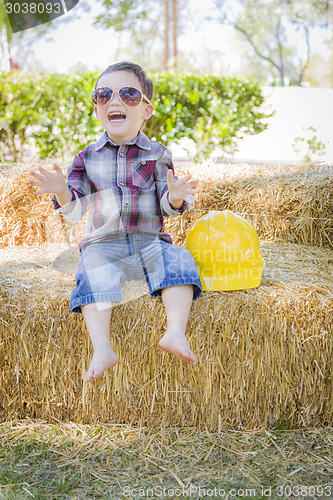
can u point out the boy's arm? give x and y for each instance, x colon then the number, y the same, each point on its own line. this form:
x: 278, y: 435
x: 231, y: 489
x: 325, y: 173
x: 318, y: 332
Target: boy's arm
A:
x: 69, y: 198
x: 175, y: 195
x: 80, y: 191
x: 181, y: 190
x: 52, y: 182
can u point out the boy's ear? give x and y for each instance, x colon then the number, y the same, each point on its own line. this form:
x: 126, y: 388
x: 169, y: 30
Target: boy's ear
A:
x: 96, y: 114
x: 148, y: 111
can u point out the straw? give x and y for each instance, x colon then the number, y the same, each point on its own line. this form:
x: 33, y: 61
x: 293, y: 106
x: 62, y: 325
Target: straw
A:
x: 292, y: 203
x: 264, y: 355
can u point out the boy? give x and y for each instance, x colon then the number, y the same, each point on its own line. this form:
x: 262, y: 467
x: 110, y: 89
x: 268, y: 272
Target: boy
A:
x: 128, y: 181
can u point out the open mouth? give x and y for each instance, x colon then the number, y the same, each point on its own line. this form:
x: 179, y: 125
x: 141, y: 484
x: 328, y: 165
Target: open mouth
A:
x: 116, y: 117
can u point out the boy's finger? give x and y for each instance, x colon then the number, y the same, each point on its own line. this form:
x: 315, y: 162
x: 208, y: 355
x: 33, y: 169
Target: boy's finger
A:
x: 56, y: 167
x: 185, y: 178
x: 37, y: 176
x: 45, y: 172
x: 192, y: 183
x: 170, y: 175
x: 34, y: 183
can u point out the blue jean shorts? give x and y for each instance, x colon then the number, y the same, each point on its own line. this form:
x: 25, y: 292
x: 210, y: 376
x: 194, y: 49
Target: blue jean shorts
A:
x: 105, y: 265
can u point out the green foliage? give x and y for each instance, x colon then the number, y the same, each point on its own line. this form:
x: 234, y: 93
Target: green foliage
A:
x: 120, y: 14
x: 54, y: 114
x: 50, y: 113
x: 4, y: 23
x: 310, y: 146
x: 212, y: 111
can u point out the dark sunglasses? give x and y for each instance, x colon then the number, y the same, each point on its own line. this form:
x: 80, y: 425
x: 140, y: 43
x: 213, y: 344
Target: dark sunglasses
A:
x: 128, y: 95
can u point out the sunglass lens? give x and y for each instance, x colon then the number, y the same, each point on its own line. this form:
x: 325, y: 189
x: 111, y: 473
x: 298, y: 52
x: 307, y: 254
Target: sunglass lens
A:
x: 130, y: 96
x: 102, y: 96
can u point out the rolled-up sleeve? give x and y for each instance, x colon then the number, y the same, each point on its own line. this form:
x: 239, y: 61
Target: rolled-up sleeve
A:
x: 79, y: 185
x: 162, y: 166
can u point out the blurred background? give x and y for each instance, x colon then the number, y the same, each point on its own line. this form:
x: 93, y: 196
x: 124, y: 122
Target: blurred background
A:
x: 286, y: 45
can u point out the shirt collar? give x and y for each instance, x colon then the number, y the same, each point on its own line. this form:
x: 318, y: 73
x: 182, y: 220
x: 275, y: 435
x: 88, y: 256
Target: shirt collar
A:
x: 140, y: 140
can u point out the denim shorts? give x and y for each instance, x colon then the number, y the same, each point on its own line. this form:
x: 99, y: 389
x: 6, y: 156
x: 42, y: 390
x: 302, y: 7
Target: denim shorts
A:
x: 105, y: 265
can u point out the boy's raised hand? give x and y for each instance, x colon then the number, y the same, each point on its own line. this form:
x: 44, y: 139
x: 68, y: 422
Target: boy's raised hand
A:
x: 179, y: 189
x: 50, y: 182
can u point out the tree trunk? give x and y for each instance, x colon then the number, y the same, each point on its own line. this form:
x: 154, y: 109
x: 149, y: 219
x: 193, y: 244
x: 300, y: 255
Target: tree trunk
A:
x: 308, y: 55
x: 280, y: 49
x: 175, y: 34
x: 166, y: 35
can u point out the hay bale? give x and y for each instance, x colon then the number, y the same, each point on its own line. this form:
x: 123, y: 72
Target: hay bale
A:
x: 264, y: 355
x: 290, y: 203
x: 22, y: 214
x: 27, y: 219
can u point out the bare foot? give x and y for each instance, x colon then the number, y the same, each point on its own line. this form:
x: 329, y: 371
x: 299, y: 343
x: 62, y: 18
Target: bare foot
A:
x: 103, y: 358
x: 176, y: 343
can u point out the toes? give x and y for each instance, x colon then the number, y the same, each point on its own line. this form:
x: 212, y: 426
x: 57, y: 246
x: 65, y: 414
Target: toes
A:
x: 189, y: 357
x: 91, y: 375
x: 179, y: 349
x: 99, y: 366
x: 193, y: 361
x: 87, y: 377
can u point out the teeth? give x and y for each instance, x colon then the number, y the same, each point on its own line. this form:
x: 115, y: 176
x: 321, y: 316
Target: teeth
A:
x: 116, y: 116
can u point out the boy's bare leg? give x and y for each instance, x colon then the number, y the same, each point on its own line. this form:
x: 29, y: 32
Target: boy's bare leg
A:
x: 177, y: 301
x: 97, y: 318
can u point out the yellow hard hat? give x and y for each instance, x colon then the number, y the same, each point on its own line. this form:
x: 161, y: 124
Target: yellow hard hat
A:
x: 226, y: 250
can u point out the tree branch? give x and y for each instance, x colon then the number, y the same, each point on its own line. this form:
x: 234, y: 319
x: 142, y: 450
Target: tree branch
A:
x: 257, y: 51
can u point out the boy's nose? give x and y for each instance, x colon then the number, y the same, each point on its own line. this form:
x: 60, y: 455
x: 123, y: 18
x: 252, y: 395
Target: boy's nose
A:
x: 115, y: 97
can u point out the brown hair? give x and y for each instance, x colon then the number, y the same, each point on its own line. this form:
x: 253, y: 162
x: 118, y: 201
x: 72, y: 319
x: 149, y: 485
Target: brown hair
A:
x: 147, y: 84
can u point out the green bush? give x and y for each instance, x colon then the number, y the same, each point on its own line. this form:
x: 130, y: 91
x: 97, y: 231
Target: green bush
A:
x: 54, y: 114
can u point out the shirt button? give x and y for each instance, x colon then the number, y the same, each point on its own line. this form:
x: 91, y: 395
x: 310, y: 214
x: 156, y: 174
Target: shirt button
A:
x: 126, y: 206
x: 122, y: 184
x: 121, y: 154
x: 144, y: 163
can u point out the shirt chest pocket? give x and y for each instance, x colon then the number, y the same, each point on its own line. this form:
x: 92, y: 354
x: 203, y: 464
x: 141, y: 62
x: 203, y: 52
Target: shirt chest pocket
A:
x: 143, y: 174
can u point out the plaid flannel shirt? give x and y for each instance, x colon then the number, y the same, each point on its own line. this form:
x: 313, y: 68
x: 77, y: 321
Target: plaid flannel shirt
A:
x: 126, y: 187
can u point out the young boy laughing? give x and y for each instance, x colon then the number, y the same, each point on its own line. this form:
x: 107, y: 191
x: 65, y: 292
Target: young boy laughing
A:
x: 129, y: 183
